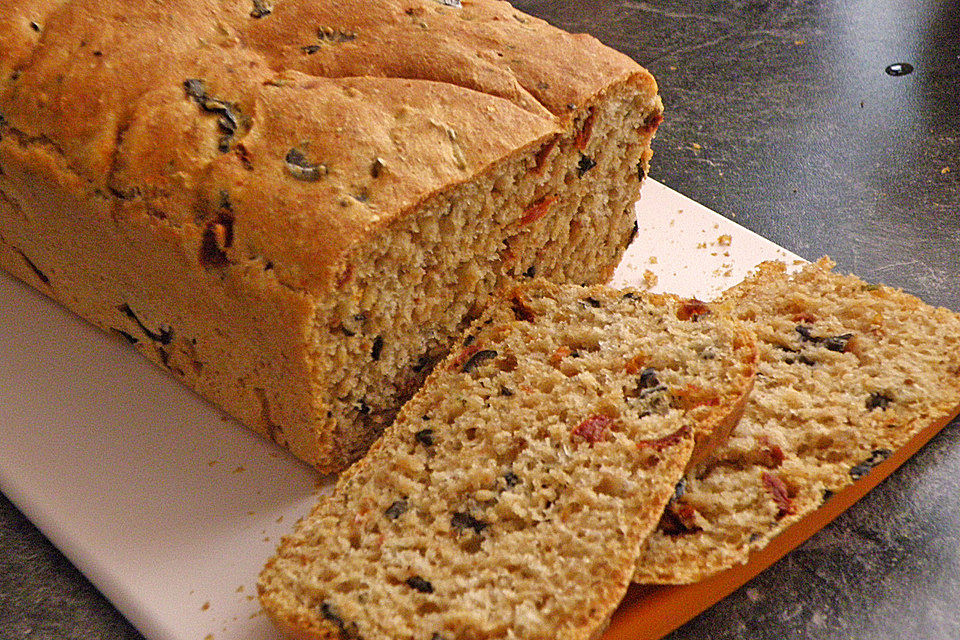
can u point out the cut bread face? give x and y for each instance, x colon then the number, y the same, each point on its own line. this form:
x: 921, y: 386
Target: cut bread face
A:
x: 849, y: 372
x: 511, y: 495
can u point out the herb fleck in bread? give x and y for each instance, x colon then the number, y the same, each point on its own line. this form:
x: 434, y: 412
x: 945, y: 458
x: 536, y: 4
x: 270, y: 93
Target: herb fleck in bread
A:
x: 293, y: 209
x: 848, y: 373
x: 510, y: 496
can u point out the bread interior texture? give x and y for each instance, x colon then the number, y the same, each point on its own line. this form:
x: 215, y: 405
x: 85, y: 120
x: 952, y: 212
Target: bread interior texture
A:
x: 562, y: 209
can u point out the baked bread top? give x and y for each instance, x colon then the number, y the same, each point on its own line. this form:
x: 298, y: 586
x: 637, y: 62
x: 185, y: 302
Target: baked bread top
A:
x: 254, y: 127
x: 848, y: 373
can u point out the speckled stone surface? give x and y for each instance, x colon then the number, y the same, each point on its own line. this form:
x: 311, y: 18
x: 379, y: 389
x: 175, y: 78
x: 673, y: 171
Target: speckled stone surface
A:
x: 780, y: 117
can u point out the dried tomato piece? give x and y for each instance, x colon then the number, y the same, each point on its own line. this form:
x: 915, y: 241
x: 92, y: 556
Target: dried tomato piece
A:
x: 778, y: 491
x: 652, y: 123
x: 692, y: 309
x: 583, y: 136
x: 537, y: 210
x: 678, y: 520
x: 543, y: 154
x: 658, y: 444
x: 593, y: 429
x: 521, y: 311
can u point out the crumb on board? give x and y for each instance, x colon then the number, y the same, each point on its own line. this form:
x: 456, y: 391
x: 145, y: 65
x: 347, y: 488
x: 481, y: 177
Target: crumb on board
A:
x: 653, y: 259
x: 701, y: 245
x: 205, y: 606
x: 650, y: 279
x: 945, y: 170
x: 239, y: 469
x: 209, y: 636
x: 240, y: 589
x: 724, y: 240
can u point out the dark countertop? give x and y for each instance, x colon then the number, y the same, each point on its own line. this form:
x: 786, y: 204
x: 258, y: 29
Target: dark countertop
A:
x: 779, y: 116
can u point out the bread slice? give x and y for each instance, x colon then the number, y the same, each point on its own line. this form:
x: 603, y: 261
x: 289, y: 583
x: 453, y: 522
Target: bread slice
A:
x: 289, y: 206
x: 510, y: 496
x: 849, y: 372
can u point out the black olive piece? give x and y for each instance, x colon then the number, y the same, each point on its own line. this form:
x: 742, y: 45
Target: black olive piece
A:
x: 261, y: 8
x: 469, y: 340
x: 33, y: 267
x: 195, y: 89
x: 334, y: 36
x: 35, y: 26
x: 632, y: 237
x: 586, y: 163
x: 422, y: 362
x: 300, y: 168
x: 310, y: 49
x: 347, y: 632
x: 129, y: 338
x: 424, y: 437
x: 878, y: 401
x: 511, y: 479
x: 648, y: 378
x: 593, y: 302
x: 376, y: 168
x: 641, y: 172
x: 679, y: 489
x: 837, y: 343
x: 630, y: 295
x: 462, y: 520
x: 377, y: 348
x: 477, y: 359
x: 805, y: 334
x: 504, y: 391
x: 164, y: 336
x: 876, y: 457
x: 827, y: 494
x: 347, y: 332
x: 395, y: 510
x: 754, y: 537
x: 437, y: 636
x: 421, y: 585
x: 531, y: 272
x: 364, y: 408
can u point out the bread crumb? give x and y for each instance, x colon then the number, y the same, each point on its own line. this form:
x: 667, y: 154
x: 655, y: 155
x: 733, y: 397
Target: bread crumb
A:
x: 945, y: 170
x: 240, y: 589
x: 650, y: 279
x: 280, y: 519
x: 724, y: 240
x: 209, y: 636
x: 653, y: 259
x: 701, y: 245
x: 697, y: 146
x: 205, y: 606
x: 799, y: 42
x: 239, y: 469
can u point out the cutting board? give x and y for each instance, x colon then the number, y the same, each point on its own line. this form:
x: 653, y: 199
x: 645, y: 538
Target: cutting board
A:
x: 170, y: 507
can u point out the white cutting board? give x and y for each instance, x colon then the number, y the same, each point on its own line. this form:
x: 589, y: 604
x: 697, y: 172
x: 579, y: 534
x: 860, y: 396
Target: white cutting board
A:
x: 168, y: 506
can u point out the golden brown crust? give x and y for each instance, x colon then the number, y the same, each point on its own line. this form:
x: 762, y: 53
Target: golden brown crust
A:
x: 436, y: 80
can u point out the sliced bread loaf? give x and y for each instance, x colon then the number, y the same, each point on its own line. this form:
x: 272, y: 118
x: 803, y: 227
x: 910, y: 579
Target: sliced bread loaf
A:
x: 292, y: 208
x: 848, y: 373
x: 511, y: 495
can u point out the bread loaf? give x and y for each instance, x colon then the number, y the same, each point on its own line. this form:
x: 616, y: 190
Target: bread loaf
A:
x: 293, y: 206
x: 510, y: 496
x: 849, y: 372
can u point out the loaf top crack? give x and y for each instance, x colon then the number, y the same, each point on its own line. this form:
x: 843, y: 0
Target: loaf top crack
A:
x: 290, y: 116
x: 510, y: 496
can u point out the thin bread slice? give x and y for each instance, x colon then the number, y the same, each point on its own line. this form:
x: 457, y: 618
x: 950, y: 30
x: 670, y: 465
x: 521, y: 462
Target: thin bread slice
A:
x: 849, y: 372
x: 511, y: 495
